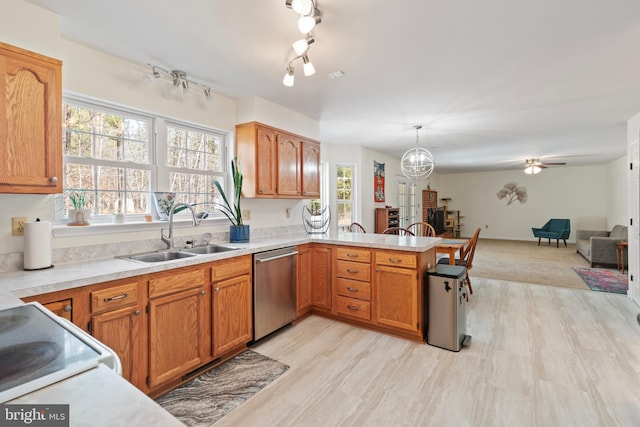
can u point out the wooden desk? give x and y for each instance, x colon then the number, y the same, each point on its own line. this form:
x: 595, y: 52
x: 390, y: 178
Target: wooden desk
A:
x: 620, y: 247
x: 451, y: 246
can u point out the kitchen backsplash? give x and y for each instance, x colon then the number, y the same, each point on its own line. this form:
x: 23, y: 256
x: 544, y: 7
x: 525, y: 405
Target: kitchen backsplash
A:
x: 15, y: 261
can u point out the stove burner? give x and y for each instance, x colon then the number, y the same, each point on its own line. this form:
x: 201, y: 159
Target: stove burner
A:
x: 30, y: 359
x: 9, y: 322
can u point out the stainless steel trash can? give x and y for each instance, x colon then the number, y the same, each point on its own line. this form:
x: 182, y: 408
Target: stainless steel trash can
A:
x: 446, y: 307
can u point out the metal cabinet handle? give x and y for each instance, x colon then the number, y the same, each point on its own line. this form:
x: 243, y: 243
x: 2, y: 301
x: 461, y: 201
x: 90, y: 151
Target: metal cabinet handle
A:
x: 123, y: 296
x: 217, y: 289
x: 395, y: 260
x: 203, y: 292
x: 353, y: 255
x: 352, y: 307
x: 137, y: 312
x: 67, y: 308
x: 352, y: 289
x: 53, y: 179
x: 350, y: 270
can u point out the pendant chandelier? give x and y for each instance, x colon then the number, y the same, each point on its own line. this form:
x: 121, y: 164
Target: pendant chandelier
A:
x: 417, y: 163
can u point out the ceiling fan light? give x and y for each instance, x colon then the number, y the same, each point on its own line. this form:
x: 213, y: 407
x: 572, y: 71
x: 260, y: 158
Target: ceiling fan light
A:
x: 302, y: 7
x: 532, y: 169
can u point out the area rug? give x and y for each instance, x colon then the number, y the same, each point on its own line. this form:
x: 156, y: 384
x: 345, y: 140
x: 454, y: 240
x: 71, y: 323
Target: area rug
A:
x: 604, y: 280
x: 207, y: 398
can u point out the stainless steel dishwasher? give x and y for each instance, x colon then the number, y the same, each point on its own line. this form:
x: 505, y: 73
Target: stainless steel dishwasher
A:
x: 274, y: 290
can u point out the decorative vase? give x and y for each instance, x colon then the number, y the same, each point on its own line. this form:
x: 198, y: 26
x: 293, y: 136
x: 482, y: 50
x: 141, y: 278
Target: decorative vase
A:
x: 238, y: 233
x: 79, y: 217
x: 164, y: 203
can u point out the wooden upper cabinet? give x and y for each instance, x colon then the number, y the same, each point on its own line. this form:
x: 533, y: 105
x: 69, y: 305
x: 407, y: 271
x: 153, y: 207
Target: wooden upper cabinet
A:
x: 30, y: 122
x: 310, y: 169
x: 276, y: 163
x: 289, y: 165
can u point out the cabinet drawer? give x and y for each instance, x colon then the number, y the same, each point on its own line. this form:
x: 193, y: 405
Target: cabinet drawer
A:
x: 398, y: 259
x: 353, y: 307
x: 354, y: 270
x: 174, y: 282
x: 117, y: 296
x: 354, y: 289
x: 353, y: 254
x: 232, y: 267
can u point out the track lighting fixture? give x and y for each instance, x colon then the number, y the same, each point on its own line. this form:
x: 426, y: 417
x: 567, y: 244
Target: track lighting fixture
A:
x: 288, y: 77
x: 181, y: 82
x: 309, y: 18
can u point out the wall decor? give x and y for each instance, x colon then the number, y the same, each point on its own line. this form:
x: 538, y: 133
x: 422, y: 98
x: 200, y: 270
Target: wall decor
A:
x: 378, y: 181
x: 512, y: 192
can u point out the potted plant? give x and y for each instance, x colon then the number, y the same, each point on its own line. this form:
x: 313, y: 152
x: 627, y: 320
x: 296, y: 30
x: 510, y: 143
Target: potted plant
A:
x: 79, y: 215
x: 238, y: 231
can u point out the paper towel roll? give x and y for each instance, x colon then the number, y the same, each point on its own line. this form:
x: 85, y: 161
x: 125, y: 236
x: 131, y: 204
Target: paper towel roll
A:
x: 37, y: 245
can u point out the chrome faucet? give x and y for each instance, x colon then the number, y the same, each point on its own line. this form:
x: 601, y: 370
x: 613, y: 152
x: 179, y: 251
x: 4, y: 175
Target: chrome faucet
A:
x: 169, y: 239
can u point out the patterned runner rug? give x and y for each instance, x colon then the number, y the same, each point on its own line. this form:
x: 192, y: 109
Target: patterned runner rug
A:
x: 207, y: 398
x: 604, y: 280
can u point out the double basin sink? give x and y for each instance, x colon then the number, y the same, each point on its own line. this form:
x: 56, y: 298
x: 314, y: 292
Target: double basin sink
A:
x: 173, y: 254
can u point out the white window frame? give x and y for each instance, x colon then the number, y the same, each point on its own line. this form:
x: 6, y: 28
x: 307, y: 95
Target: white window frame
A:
x: 353, y: 199
x: 157, y: 162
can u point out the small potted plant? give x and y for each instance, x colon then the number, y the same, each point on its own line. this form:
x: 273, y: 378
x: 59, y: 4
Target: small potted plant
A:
x: 79, y: 215
x: 238, y: 231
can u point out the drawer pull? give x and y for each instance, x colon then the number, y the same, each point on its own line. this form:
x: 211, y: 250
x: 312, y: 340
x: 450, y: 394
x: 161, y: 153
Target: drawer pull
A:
x: 395, y: 260
x: 123, y: 296
x: 353, y: 307
x: 67, y: 308
x: 137, y: 312
x: 353, y: 255
x: 350, y: 270
x: 350, y: 289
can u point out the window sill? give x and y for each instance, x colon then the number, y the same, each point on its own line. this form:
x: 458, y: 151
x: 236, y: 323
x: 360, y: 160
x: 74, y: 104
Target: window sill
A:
x: 64, y: 230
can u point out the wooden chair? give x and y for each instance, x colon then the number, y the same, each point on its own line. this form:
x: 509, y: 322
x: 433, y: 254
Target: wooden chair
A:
x: 423, y: 229
x: 467, y: 257
x: 398, y: 231
x: 356, y: 228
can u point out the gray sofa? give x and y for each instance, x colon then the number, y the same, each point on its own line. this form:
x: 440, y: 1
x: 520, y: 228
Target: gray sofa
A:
x: 599, y: 246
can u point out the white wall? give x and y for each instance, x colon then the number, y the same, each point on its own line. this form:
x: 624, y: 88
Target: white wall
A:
x: 617, y: 194
x: 580, y: 193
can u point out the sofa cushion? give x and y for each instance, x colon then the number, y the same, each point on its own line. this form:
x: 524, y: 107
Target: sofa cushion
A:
x: 619, y: 232
x: 584, y: 247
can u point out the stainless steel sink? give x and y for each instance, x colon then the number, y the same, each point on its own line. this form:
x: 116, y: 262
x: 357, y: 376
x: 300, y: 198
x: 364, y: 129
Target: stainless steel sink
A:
x: 209, y: 249
x: 158, y: 256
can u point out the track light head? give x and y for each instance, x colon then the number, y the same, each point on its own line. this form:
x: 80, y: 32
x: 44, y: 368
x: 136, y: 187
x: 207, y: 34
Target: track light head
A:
x: 288, y: 77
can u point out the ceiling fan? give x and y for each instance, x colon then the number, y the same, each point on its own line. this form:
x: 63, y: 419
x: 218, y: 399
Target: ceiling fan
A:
x: 533, y: 166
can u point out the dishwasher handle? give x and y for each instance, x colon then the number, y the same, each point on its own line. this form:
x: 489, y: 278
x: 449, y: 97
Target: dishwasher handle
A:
x: 277, y: 257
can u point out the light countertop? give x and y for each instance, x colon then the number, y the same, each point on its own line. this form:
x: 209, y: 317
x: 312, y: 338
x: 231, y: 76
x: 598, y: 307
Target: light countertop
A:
x: 71, y: 275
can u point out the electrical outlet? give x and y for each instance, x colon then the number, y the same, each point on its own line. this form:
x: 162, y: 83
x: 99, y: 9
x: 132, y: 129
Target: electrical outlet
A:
x: 17, y: 225
x: 287, y: 213
x: 246, y: 214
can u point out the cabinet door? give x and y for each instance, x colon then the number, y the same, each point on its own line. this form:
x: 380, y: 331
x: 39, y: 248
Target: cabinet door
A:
x: 266, y: 164
x: 61, y: 308
x: 289, y: 157
x: 176, y: 335
x: 310, y: 169
x: 232, y: 313
x: 397, y: 297
x: 121, y: 331
x: 321, y: 278
x: 303, y: 291
x: 30, y: 122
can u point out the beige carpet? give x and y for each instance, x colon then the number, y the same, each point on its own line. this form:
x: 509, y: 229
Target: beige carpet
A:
x: 525, y: 261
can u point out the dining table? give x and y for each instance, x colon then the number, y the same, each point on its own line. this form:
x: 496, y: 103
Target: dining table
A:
x: 450, y: 247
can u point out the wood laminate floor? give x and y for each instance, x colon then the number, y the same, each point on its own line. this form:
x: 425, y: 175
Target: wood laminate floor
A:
x: 540, y: 356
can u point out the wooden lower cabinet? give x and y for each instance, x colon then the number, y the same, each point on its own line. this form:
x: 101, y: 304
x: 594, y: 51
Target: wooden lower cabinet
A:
x: 397, y: 297
x: 320, y: 277
x: 179, y: 335
x: 303, y: 285
x: 61, y: 308
x: 232, y: 304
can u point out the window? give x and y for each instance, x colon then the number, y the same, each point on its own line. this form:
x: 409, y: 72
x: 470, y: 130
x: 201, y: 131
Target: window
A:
x: 345, y: 196
x: 114, y: 157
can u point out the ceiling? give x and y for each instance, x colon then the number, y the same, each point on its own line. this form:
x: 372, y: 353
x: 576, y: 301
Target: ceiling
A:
x: 492, y: 82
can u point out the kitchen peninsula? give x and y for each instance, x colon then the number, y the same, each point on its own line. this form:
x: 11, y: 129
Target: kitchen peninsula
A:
x: 370, y: 280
